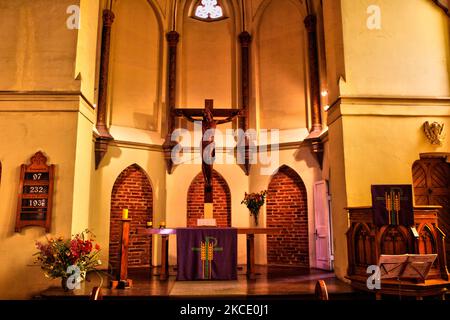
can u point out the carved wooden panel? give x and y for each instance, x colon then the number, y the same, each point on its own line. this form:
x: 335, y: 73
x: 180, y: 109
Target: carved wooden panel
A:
x: 394, y: 241
x: 363, y: 246
x: 431, y: 180
x: 427, y: 242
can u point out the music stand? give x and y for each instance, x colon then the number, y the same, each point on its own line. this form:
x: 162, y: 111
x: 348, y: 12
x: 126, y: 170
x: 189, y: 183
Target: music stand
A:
x: 418, y: 266
x: 414, y: 267
x: 391, y: 266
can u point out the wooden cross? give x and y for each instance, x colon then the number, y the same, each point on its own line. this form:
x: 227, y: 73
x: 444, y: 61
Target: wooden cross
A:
x: 208, y: 117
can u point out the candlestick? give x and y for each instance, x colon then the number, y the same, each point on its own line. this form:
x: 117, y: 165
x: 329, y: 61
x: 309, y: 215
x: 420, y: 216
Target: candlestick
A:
x: 125, y: 214
x: 149, y: 224
x: 162, y: 224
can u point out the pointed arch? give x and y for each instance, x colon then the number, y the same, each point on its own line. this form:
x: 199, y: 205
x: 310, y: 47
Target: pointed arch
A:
x: 287, y: 208
x: 136, y: 65
x: 265, y: 3
x: 427, y: 240
x: 282, y: 65
x: 221, y: 200
x: 363, y: 241
x: 208, y: 61
x: 132, y: 190
x: 156, y: 6
x: 394, y: 240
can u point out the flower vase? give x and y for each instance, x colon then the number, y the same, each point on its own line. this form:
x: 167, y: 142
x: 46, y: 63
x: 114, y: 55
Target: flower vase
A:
x: 255, y: 214
x: 64, y: 284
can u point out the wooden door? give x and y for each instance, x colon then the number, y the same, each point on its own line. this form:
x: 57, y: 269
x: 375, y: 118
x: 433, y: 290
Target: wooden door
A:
x: 431, y: 180
x: 322, y: 224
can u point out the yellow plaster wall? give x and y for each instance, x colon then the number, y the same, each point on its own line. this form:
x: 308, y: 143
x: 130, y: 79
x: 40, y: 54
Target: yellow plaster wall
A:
x: 37, y: 50
x: 88, y: 47
x: 334, y: 47
x: 207, y: 60
x: 135, y: 72
x: 395, y: 140
x: 281, y: 43
x: 408, y: 56
x: 23, y: 134
x: 83, y: 169
x: 338, y: 192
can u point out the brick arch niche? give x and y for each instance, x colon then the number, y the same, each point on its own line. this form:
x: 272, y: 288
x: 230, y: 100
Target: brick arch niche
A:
x: 221, y: 200
x: 131, y: 190
x: 287, y: 209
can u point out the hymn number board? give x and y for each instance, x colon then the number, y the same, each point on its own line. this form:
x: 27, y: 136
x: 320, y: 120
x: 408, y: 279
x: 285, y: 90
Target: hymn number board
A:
x: 35, y: 194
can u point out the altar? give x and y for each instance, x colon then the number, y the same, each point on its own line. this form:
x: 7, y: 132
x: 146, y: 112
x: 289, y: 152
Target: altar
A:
x: 165, y: 234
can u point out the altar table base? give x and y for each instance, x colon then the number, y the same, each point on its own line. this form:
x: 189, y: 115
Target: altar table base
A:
x: 249, y: 232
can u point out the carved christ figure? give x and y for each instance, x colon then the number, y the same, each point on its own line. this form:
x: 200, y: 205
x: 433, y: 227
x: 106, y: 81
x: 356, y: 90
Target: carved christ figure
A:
x: 208, y: 151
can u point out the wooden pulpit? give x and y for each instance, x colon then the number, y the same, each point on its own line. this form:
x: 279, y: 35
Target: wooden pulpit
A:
x: 367, y: 242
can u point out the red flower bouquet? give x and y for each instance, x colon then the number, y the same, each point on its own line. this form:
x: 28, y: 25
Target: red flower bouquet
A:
x: 67, y: 257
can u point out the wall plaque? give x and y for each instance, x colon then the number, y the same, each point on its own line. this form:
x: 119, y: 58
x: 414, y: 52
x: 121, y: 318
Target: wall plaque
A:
x: 34, y: 207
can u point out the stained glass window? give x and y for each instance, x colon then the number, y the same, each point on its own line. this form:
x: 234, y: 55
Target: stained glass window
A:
x: 209, y: 10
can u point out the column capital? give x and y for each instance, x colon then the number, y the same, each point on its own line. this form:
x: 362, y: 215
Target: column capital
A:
x: 108, y: 18
x: 310, y: 23
x: 172, y: 38
x: 245, y: 39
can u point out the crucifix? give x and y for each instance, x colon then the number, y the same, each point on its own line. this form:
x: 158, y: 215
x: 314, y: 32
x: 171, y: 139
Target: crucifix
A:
x: 208, y: 117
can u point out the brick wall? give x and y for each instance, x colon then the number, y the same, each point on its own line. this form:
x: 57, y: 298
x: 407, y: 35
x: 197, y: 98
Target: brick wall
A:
x: 131, y: 190
x: 287, y: 209
x: 221, y: 200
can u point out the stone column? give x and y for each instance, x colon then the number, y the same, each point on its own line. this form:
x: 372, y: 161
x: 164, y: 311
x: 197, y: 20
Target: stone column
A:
x: 103, y: 138
x: 245, y: 40
x: 314, y: 76
x: 172, y: 39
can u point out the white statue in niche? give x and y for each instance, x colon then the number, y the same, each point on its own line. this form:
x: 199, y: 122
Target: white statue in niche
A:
x: 209, y: 9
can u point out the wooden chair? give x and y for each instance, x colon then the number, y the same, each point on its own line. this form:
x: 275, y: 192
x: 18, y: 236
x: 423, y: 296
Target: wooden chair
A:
x: 321, y: 290
x: 96, y: 294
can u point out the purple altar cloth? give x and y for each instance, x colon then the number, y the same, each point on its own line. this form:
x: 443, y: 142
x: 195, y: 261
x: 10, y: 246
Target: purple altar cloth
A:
x: 207, y: 254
